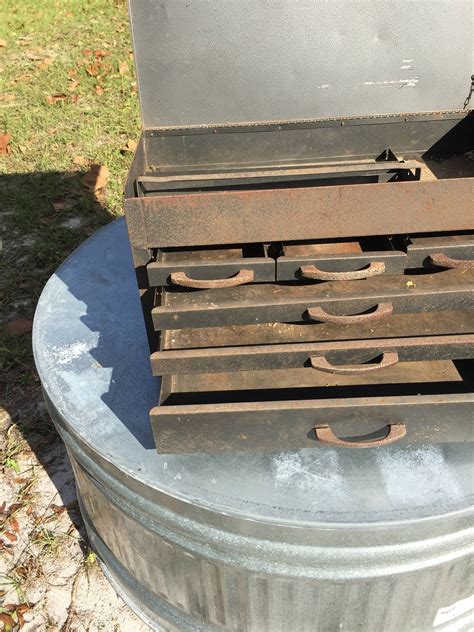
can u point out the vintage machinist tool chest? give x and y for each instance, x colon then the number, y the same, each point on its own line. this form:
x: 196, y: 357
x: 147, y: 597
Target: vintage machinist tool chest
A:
x: 300, y: 210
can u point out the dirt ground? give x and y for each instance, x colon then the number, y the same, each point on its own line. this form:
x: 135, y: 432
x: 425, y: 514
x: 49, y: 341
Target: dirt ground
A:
x: 69, y: 119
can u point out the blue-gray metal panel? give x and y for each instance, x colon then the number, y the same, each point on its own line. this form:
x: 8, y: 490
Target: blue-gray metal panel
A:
x: 293, y: 541
x: 210, y: 62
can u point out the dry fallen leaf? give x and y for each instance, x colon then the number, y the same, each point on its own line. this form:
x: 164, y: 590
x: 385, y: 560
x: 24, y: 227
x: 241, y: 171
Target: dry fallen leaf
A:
x: 96, y: 178
x: 19, y: 326
x: 7, y: 97
x: 45, y: 62
x: 14, y: 526
x: 4, y: 144
x: 33, y: 56
x: 11, y: 536
x: 101, y: 53
x: 62, y: 205
x: 87, y: 51
x: 92, y: 70
x: 80, y: 161
x: 99, y: 90
x: 123, y: 68
x: 73, y: 85
x: 56, y: 98
x: 131, y: 145
x: 7, y: 620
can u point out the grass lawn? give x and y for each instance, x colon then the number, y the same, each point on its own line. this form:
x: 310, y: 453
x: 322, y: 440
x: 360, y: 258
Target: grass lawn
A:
x: 68, y: 106
x: 67, y: 100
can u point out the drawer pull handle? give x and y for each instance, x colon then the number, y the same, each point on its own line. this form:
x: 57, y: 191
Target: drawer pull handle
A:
x: 319, y: 313
x: 320, y: 363
x: 181, y: 278
x: 312, y: 272
x: 395, y: 433
x: 442, y: 260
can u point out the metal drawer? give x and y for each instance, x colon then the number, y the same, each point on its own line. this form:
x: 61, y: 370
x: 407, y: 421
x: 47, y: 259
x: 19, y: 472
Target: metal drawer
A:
x: 348, y: 302
x: 211, y: 268
x: 418, y: 402
x: 445, y: 251
x: 431, y: 336
x: 313, y: 261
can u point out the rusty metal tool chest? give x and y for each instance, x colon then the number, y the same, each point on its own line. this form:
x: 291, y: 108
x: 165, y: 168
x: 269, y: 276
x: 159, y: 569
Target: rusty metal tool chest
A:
x: 300, y: 210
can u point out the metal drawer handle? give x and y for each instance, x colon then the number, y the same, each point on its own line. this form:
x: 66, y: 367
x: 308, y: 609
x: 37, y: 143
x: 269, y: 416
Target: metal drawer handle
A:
x: 395, y: 433
x: 312, y: 272
x: 389, y: 358
x: 181, y: 278
x: 319, y: 313
x: 442, y: 260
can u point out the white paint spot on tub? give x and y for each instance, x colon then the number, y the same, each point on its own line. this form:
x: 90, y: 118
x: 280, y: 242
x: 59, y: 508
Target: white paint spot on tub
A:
x: 67, y: 353
x: 394, y: 83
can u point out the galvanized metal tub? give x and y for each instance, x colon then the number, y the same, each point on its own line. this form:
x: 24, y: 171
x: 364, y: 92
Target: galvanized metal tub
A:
x: 320, y: 539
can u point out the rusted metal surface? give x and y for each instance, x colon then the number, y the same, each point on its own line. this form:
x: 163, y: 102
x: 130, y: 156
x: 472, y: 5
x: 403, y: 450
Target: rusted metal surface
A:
x: 375, y: 268
x: 395, y: 432
x: 242, y: 277
x: 318, y: 355
x: 421, y: 249
x: 268, y: 303
x: 394, y: 326
x: 155, y: 183
x: 272, y: 425
x: 264, y: 215
x: 387, y: 360
x: 381, y: 311
x: 444, y: 261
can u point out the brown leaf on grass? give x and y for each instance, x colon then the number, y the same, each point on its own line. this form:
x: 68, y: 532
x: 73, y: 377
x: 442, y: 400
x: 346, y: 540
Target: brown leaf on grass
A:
x: 72, y: 72
x: 62, y: 205
x: 45, y: 62
x: 22, y: 608
x: 99, y: 90
x: 21, y: 619
x: 52, y: 99
x: 87, y: 52
x: 14, y: 507
x: 7, y: 620
x: 123, y: 68
x: 130, y: 146
x: 11, y: 536
x: 4, y: 144
x: 19, y: 326
x: 33, y: 56
x: 73, y: 85
x: 92, y: 70
x: 7, y: 97
x: 101, y: 53
x: 80, y: 161
x: 96, y: 178
x: 14, y: 526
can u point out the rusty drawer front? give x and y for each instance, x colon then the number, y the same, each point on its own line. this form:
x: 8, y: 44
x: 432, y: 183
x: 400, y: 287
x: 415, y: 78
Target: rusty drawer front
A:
x: 342, y: 357
x: 245, y: 411
x: 266, y: 303
x: 225, y: 272
x: 457, y: 251
x: 338, y: 266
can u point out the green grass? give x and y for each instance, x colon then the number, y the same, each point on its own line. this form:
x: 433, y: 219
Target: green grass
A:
x: 81, y: 49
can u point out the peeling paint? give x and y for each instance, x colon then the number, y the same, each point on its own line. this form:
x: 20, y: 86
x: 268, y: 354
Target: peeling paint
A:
x: 393, y: 83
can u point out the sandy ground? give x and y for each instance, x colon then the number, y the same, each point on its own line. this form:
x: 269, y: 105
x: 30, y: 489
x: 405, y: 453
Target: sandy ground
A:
x: 50, y: 579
